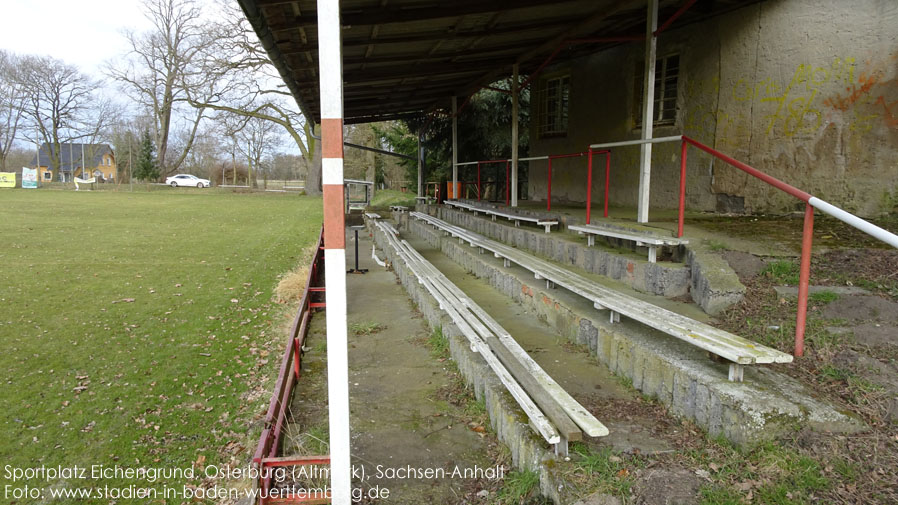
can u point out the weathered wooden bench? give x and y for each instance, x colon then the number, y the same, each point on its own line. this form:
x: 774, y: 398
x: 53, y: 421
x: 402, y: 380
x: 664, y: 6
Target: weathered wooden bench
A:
x: 557, y: 416
x: 516, y: 218
x: 652, y: 242
x: 398, y: 208
x: 372, y: 215
x: 737, y: 350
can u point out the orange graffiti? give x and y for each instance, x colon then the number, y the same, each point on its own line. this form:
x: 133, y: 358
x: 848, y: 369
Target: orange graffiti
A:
x: 855, y: 92
x: 891, y: 111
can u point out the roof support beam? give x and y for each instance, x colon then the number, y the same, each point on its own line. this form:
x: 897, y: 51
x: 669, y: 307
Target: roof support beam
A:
x: 648, y: 113
x: 400, y: 14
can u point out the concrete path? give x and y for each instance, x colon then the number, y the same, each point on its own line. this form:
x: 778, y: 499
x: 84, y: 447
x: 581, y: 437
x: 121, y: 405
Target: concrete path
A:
x: 400, y: 419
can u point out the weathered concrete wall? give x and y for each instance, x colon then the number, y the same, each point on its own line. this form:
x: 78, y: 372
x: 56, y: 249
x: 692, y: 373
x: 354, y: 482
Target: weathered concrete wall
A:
x: 806, y: 91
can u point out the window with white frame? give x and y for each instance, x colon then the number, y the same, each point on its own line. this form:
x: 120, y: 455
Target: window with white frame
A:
x: 554, y: 98
x: 667, y: 71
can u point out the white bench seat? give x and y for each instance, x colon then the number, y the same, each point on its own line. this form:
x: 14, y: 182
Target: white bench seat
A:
x: 398, y: 208
x: 739, y: 351
x: 487, y: 337
x: 516, y: 218
x: 653, y: 242
x: 372, y: 215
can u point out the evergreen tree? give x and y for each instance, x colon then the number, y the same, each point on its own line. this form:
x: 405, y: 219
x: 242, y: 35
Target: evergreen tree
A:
x: 146, y: 167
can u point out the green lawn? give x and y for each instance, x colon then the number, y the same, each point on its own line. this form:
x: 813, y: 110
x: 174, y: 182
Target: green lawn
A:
x: 132, y: 325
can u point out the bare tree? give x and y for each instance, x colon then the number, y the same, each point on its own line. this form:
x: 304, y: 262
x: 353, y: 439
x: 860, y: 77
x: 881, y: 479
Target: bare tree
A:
x: 12, y: 103
x: 62, y: 105
x: 241, y: 80
x: 160, y: 66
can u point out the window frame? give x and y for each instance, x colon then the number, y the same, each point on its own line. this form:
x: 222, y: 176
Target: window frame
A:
x: 562, y: 102
x: 662, y: 116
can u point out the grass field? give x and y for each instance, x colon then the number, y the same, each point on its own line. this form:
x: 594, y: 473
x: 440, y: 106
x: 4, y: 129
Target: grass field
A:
x: 133, y: 325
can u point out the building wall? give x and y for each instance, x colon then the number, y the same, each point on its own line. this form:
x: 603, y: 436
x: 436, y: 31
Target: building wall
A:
x: 806, y: 91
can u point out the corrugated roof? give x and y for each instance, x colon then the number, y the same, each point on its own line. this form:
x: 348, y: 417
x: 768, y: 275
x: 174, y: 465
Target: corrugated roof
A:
x: 407, y: 57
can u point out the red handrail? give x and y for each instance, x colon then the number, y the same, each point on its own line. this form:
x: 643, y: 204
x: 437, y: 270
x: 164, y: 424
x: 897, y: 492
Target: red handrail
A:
x: 807, y: 231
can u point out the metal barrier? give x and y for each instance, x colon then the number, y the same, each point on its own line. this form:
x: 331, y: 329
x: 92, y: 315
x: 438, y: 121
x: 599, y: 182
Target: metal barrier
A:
x: 266, y: 455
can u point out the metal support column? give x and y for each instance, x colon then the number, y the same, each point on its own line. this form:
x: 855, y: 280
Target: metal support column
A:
x: 420, y: 165
x: 514, y: 135
x: 455, y: 148
x: 331, y: 85
x: 648, y: 112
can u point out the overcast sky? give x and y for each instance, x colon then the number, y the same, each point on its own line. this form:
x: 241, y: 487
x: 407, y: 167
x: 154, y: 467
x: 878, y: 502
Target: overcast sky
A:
x: 82, y: 33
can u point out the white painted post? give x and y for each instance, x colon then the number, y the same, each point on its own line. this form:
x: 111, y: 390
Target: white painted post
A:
x: 331, y: 85
x: 455, y: 148
x: 648, y: 113
x: 420, y: 167
x: 514, y: 135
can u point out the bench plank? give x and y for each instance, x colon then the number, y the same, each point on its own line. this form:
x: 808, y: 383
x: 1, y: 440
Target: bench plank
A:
x: 732, y: 347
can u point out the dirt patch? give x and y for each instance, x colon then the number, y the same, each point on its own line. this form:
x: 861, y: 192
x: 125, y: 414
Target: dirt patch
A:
x: 876, y: 335
x: 862, y: 308
x: 667, y: 487
x: 745, y: 265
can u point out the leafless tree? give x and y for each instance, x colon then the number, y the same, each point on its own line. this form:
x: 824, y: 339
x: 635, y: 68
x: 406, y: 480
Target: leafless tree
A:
x: 61, y: 105
x: 12, y: 104
x: 241, y: 80
x: 160, y: 67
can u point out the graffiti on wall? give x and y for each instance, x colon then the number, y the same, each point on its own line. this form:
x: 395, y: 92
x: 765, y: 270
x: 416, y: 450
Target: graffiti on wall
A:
x: 858, y: 95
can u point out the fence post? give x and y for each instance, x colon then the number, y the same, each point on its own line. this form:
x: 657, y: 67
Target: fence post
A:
x: 804, y: 279
x: 682, y: 209
x: 589, y: 185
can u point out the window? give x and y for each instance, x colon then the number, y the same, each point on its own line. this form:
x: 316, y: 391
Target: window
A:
x: 47, y: 176
x: 553, y: 106
x: 667, y: 70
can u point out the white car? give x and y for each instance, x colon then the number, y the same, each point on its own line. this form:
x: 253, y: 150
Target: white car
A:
x: 187, y: 180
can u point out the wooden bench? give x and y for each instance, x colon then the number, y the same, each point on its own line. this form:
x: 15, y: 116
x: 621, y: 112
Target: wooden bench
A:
x: 739, y: 351
x: 372, y: 215
x: 546, y: 223
x: 398, y: 208
x: 425, y: 199
x: 536, y: 392
x: 651, y: 241
x: 517, y: 218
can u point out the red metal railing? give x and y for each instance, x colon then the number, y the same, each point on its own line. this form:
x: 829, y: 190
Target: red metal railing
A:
x: 807, y: 233
x: 266, y: 455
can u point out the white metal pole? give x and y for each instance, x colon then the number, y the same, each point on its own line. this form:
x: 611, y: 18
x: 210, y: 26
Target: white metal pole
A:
x: 455, y: 190
x: 648, y: 113
x: 331, y: 86
x: 420, y: 166
x: 514, y: 135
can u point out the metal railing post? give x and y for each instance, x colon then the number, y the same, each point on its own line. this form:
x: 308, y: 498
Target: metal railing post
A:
x: 588, y: 185
x: 682, y: 208
x: 804, y: 279
x: 479, y: 192
x: 607, y: 179
x: 549, y: 192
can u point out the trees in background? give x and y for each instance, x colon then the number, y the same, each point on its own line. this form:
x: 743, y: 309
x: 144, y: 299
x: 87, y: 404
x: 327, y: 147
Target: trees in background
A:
x: 146, y: 168
x: 61, y: 105
x: 12, y: 102
x: 162, y: 69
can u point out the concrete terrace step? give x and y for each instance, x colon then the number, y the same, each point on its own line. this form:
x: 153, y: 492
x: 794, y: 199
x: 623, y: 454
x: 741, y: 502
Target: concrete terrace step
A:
x: 734, y: 348
x: 486, y: 336
x: 517, y: 218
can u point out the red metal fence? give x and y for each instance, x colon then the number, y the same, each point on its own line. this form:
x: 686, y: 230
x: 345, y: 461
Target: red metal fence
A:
x: 266, y: 455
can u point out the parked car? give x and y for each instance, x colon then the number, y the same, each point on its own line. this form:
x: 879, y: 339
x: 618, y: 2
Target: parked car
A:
x: 187, y: 180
